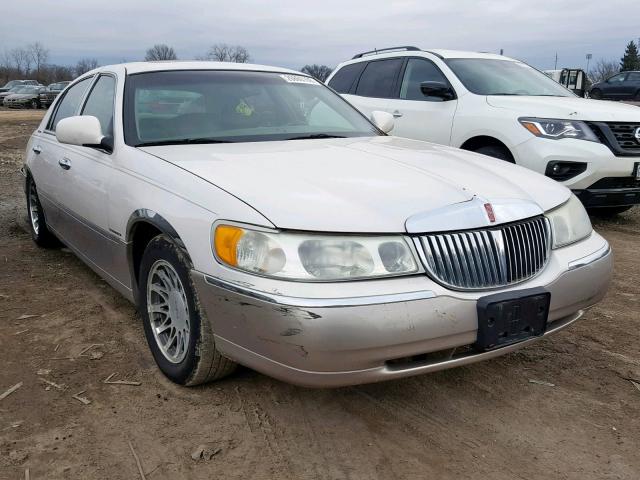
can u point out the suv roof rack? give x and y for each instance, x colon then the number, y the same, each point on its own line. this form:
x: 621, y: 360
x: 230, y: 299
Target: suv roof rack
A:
x: 390, y: 49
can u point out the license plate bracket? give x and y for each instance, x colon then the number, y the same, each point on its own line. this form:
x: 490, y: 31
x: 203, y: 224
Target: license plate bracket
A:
x: 511, y: 317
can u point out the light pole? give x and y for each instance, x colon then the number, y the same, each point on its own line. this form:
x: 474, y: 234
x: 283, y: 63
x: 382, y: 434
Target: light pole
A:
x: 589, y: 57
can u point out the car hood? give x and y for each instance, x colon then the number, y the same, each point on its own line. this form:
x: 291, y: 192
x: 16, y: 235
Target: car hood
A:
x: 374, y: 184
x: 18, y: 96
x: 570, y: 108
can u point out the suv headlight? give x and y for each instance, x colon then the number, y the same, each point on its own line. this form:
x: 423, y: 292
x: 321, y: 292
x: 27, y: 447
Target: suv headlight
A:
x: 569, y: 223
x: 312, y: 257
x: 558, y: 129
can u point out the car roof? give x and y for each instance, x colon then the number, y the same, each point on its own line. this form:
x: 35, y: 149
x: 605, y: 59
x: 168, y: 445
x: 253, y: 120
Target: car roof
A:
x: 413, y: 51
x: 140, y: 67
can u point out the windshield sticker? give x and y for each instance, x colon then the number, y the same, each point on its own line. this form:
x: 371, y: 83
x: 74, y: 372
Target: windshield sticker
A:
x: 298, y: 79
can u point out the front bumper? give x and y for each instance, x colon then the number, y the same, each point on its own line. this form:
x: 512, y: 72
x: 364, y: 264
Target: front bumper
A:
x: 329, y: 341
x: 536, y: 153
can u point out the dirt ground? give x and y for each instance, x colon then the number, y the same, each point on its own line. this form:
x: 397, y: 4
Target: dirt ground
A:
x: 481, y: 421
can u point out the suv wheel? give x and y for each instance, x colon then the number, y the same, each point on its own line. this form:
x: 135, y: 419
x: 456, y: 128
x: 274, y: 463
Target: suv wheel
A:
x: 178, y: 332
x: 596, y: 94
x: 40, y: 233
x: 496, y: 151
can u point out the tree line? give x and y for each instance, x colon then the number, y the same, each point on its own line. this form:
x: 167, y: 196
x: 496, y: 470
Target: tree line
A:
x: 604, y: 68
x: 32, y: 62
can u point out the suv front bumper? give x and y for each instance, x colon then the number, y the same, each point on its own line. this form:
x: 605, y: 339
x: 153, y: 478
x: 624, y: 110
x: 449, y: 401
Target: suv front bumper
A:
x: 334, y: 341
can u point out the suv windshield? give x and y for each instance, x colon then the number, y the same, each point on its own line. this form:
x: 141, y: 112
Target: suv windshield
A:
x: 204, y: 106
x: 484, y: 76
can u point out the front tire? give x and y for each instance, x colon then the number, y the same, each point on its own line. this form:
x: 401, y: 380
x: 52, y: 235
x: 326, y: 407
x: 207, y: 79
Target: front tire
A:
x: 177, y: 331
x: 596, y: 94
x: 496, y: 151
x: 40, y: 233
x: 35, y: 104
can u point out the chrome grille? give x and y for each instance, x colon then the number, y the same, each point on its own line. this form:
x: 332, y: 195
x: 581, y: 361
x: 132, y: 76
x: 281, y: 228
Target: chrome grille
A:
x: 489, y: 258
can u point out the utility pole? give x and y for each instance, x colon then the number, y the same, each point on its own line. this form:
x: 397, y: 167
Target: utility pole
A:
x: 502, y: 51
x: 555, y: 65
x: 589, y: 57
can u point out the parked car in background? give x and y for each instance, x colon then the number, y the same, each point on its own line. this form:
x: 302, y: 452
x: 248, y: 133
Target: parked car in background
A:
x: 4, y: 95
x: 25, y: 96
x: 258, y: 218
x: 49, y: 94
x: 506, y: 109
x: 15, y: 83
x: 622, y: 86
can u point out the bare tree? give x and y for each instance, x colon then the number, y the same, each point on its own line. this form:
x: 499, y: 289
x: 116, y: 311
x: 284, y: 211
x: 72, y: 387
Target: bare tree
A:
x: 21, y: 60
x: 603, y: 69
x: 39, y: 54
x: 160, y: 52
x: 222, y: 52
x: 84, y: 65
x: 319, y: 72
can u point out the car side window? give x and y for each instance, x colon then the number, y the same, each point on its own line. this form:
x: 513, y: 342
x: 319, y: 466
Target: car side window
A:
x: 634, y: 77
x: 344, y: 78
x: 68, y: 106
x: 417, y: 71
x: 379, y: 78
x: 100, y: 103
x: 617, y: 78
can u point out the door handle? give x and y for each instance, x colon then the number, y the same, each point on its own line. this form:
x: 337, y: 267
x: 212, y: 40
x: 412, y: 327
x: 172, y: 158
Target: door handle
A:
x: 37, y: 149
x: 397, y: 114
x: 65, y: 163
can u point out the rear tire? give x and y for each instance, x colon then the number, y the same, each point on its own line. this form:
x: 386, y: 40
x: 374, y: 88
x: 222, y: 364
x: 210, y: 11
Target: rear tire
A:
x: 40, y: 233
x: 596, y: 94
x: 35, y: 104
x: 608, y: 212
x: 496, y: 151
x: 177, y: 330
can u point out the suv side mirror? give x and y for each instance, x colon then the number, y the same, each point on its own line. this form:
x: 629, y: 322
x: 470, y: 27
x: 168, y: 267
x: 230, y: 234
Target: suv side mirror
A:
x: 83, y: 130
x: 382, y: 120
x: 437, y: 89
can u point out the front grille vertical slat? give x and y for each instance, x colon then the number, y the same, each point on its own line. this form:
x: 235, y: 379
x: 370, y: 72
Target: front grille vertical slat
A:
x: 488, y: 258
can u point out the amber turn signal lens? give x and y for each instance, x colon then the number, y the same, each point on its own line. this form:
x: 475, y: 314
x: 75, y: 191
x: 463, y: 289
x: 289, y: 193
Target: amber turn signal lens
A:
x: 532, y: 128
x: 226, y: 243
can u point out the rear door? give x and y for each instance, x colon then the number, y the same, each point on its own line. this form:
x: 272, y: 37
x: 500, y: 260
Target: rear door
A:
x: 632, y: 85
x: 376, y: 85
x: 615, y: 87
x: 416, y: 115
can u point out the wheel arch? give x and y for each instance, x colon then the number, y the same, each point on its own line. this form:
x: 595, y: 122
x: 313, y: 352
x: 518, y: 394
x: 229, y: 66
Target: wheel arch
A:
x: 143, y: 225
x: 478, y: 141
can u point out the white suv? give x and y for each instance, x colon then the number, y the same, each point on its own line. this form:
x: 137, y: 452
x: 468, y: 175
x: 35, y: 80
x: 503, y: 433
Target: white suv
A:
x: 504, y: 108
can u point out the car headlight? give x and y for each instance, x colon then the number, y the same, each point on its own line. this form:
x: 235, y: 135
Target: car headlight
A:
x: 569, y: 223
x: 558, y: 129
x: 312, y: 257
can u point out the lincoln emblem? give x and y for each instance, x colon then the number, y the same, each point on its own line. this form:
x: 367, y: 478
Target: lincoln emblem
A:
x: 490, y: 214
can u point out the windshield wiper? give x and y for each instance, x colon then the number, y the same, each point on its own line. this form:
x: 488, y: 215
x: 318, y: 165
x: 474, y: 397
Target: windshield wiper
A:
x: 314, y: 136
x: 183, y: 141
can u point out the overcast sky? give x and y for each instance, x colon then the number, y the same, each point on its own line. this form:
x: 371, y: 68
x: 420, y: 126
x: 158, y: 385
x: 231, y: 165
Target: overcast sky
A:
x: 292, y: 33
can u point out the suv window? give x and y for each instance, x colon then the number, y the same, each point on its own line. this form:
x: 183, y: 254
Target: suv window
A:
x: 633, y: 77
x: 100, y: 103
x: 344, y: 78
x: 617, y: 78
x: 379, y: 78
x: 68, y: 106
x: 417, y: 71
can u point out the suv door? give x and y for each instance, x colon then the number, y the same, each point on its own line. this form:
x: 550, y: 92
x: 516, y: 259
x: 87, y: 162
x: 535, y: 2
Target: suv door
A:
x: 615, y: 87
x: 376, y: 86
x: 84, y: 197
x: 419, y: 116
x: 632, y: 86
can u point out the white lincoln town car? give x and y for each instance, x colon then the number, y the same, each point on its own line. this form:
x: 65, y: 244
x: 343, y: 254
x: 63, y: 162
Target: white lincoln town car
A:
x: 257, y: 218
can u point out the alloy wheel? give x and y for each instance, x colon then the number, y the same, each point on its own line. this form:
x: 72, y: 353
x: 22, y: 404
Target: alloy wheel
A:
x: 34, y: 214
x: 168, y: 311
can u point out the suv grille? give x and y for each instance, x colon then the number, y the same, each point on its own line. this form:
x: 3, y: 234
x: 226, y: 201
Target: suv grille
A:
x: 490, y: 258
x: 624, y: 133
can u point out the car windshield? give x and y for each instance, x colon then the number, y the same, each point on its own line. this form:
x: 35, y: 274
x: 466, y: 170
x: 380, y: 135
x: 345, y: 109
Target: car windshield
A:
x: 12, y: 84
x: 25, y: 90
x: 57, y: 86
x: 205, y: 106
x: 484, y: 76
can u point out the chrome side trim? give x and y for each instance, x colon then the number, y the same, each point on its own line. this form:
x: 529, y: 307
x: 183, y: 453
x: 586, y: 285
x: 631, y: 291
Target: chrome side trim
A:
x: 317, y: 302
x: 595, y: 256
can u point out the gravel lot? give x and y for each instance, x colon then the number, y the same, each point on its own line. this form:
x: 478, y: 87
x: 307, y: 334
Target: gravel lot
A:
x: 482, y: 421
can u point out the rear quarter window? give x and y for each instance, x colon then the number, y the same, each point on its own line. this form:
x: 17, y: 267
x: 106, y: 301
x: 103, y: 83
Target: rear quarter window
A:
x: 379, y: 78
x: 345, y: 78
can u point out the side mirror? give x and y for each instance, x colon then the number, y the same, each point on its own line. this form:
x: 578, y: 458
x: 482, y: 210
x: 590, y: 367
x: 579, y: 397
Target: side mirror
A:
x: 84, y: 131
x: 437, y: 89
x: 382, y: 120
